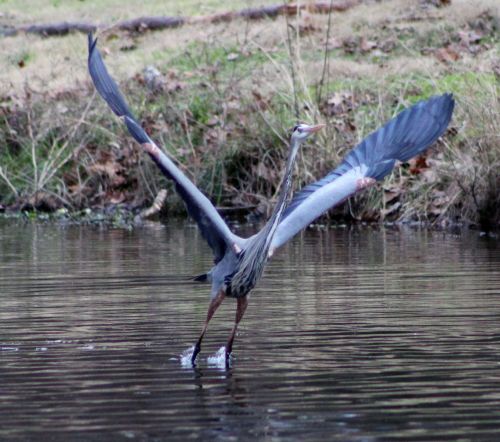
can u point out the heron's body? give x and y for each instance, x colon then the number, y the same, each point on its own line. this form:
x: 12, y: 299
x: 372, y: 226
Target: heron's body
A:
x: 239, y: 262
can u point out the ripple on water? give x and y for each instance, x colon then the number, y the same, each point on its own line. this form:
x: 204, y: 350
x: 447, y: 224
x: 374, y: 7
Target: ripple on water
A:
x: 352, y: 335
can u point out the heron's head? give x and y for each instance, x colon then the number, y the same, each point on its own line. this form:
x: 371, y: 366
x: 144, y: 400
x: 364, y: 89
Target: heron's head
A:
x: 301, y: 132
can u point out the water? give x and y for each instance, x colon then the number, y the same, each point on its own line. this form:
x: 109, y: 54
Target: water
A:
x: 353, y: 334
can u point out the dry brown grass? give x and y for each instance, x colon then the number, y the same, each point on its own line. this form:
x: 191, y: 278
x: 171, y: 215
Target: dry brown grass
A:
x: 235, y: 159
x: 471, y: 164
x: 55, y: 64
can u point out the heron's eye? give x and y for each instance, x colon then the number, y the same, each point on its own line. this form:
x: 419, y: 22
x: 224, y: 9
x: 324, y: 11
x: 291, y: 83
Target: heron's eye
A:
x: 295, y: 128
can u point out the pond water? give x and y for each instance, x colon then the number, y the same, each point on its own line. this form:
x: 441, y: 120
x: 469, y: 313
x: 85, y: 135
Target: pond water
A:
x: 356, y: 334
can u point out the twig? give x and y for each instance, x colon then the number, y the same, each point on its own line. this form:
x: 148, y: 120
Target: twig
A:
x: 50, y: 168
x: 326, y: 60
x: 8, y: 182
x: 292, y: 68
x: 33, y: 150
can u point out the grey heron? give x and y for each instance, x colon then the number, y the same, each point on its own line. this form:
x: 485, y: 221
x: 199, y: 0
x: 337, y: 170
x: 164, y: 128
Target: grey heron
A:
x: 239, y: 262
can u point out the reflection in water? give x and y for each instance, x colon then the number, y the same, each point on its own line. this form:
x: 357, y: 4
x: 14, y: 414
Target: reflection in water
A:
x: 357, y: 334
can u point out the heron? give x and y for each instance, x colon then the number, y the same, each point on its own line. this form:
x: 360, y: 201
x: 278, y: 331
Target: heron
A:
x: 239, y: 262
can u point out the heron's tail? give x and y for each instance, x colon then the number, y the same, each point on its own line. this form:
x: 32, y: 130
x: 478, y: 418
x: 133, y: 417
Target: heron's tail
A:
x: 201, y: 278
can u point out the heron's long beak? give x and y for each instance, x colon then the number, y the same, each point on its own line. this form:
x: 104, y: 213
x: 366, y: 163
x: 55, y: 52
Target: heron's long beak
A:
x: 313, y: 129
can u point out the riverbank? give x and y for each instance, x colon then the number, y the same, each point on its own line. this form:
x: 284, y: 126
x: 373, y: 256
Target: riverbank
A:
x: 221, y: 97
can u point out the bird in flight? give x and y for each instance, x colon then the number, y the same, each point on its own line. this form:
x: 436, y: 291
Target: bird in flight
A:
x: 239, y: 262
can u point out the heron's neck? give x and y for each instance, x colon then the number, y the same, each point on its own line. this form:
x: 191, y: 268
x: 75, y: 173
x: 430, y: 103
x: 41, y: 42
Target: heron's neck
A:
x: 286, y: 185
x: 257, y: 252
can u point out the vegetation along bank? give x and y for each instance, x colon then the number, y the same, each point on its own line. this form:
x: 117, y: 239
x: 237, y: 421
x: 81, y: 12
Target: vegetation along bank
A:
x: 221, y: 91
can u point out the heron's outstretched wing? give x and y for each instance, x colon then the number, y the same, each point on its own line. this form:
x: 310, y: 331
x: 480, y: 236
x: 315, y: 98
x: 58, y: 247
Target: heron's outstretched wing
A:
x: 403, y: 137
x: 212, y: 226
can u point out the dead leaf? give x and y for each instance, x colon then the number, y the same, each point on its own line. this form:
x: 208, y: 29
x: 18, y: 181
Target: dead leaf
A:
x: 128, y: 47
x: 77, y: 189
x: 336, y: 99
x: 435, y: 3
x: 439, y: 203
x: 344, y: 126
x: 471, y: 41
x: 418, y: 164
x: 307, y: 28
x: 333, y: 43
x: 339, y: 103
x: 112, y: 170
x: 116, y: 197
x: 212, y: 122
x: 350, y: 45
x: 429, y: 176
x: 262, y: 103
x: 448, y: 54
x: 387, y: 45
x: 367, y: 45
x: 470, y: 37
x: 174, y: 86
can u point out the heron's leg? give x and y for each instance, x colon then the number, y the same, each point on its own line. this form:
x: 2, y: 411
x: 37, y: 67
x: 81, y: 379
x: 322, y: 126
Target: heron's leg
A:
x: 214, y: 305
x: 240, y: 311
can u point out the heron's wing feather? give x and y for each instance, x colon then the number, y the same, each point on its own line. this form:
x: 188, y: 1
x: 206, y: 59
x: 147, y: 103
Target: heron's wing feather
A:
x: 212, y: 226
x: 403, y: 137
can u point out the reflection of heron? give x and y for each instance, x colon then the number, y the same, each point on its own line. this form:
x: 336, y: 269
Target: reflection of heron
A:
x: 239, y: 262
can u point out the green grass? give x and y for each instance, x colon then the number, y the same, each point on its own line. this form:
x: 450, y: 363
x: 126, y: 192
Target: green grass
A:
x: 456, y: 83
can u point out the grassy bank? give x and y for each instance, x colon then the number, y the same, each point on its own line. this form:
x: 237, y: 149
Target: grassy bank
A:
x: 221, y: 97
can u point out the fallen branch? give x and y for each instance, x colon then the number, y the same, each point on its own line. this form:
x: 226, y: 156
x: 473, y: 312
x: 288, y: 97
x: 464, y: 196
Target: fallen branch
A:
x: 156, y: 207
x: 142, y: 24
x: 57, y: 29
x: 155, y: 23
x: 290, y: 9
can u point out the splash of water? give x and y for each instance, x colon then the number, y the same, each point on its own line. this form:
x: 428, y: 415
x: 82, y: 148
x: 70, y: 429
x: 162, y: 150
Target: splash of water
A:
x: 218, y: 359
x: 185, y: 357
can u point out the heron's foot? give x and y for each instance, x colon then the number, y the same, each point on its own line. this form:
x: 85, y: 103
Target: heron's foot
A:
x: 196, y: 350
x: 229, y: 352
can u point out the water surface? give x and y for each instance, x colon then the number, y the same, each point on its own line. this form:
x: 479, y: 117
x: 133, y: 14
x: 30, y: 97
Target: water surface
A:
x: 353, y: 334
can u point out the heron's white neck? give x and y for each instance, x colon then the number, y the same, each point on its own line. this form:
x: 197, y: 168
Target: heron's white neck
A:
x: 284, y: 191
x: 257, y: 252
